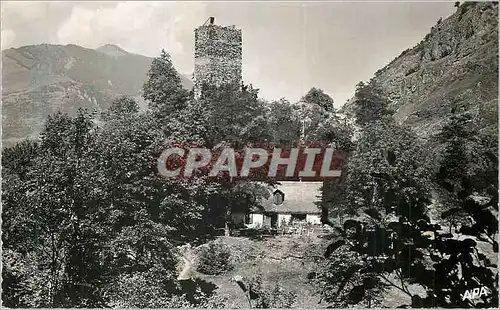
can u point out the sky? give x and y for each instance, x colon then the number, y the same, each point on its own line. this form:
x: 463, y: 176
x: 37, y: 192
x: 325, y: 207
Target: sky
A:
x: 288, y: 47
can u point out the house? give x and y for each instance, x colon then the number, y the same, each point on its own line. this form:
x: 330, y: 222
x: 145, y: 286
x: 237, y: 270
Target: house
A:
x: 292, y: 201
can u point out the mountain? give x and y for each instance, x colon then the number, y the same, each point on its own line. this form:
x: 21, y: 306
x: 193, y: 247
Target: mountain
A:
x: 111, y: 50
x: 457, y: 62
x: 39, y: 80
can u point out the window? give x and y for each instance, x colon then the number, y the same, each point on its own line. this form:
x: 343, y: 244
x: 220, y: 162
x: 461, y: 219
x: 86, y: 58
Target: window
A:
x: 299, y: 217
x: 211, y: 34
x: 278, y: 198
x: 248, y: 219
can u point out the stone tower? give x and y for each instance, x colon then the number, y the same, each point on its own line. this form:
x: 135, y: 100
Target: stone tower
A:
x: 217, y: 55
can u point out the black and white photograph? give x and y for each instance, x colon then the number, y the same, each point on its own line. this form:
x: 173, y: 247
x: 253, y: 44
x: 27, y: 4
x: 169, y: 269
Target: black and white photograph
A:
x: 249, y: 154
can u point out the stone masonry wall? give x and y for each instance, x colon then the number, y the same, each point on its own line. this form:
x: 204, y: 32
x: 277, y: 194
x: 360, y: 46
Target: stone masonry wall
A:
x: 218, y: 56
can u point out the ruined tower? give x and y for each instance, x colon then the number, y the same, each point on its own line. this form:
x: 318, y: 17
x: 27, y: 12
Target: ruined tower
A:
x: 217, y: 55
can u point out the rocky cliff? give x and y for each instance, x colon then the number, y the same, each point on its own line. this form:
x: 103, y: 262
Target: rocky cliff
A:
x: 39, y: 80
x: 457, y: 62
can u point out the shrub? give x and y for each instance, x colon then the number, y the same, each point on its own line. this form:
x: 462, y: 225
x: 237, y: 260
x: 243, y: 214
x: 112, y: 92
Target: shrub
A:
x: 267, y: 296
x: 157, y: 288
x: 214, y: 259
x: 260, y: 295
x: 147, y: 289
x: 335, y: 292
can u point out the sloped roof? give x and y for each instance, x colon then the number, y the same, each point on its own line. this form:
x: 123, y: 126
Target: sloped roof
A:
x: 299, y: 198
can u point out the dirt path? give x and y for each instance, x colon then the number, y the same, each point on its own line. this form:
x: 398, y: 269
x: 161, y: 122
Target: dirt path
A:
x: 185, y: 271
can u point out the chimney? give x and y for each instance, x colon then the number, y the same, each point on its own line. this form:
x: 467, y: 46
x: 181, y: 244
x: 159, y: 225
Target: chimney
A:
x: 212, y: 20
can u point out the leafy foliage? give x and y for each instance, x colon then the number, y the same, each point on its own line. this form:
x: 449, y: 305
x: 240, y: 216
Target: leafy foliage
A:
x: 163, y: 89
x: 92, y: 213
x: 87, y: 222
x: 344, y: 265
x: 371, y: 103
x: 320, y: 98
x: 19, y: 158
x: 214, y: 259
x: 284, y: 123
x: 52, y: 214
x: 149, y: 290
x: 396, y: 242
x: 235, y: 116
x: 262, y: 295
x: 87, y: 217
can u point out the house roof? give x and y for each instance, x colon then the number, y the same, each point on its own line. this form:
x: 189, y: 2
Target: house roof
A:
x: 299, y: 198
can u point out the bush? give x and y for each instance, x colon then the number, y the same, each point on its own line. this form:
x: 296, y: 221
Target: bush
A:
x: 214, y: 259
x: 260, y: 295
x: 331, y: 272
x: 148, y: 289
x: 157, y: 288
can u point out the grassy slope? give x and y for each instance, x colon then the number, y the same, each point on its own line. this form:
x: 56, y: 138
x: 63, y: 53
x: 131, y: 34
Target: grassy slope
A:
x: 283, y: 259
x: 288, y: 260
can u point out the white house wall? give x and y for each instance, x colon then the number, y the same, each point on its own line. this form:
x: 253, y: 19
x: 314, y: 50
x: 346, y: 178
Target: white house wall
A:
x: 313, y: 219
x: 257, y: 220
x: 284, y: 218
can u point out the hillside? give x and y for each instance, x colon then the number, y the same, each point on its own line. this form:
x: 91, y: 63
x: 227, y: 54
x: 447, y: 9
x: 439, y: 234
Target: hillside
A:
x: 39, y: 80
x: 456, y: 62
x: 284, y: 260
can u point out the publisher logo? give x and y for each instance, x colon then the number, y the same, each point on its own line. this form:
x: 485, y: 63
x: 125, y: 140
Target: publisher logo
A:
x: 475, y: 293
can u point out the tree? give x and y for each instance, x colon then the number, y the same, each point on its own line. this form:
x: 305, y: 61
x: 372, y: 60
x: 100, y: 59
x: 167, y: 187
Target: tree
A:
x: 234, y: 116
x: 51, y: 215
x: 284, y: 122
x: 468, y: 165
x: 370, y: 103
x: 467, y: 176
x: 123, y: 106
x: 192, y: 125
x: 338, y: 133
x: 334, y: 202
x: 320, y: 98
x: 452, y: 173
x: 163, y: 89
x: 380, y: 184
x: 389, y: 182
x: 93, y: 211
x: 341, y: 294
x: 18, y: 159
x: 228, y: 114
x: 149, y: 215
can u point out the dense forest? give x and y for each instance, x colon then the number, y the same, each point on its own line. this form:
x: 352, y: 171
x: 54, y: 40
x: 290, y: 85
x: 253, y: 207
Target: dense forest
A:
x: 88, y: 222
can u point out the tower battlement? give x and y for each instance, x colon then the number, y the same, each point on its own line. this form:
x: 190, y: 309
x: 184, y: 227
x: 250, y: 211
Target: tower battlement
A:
x: 217, y: 55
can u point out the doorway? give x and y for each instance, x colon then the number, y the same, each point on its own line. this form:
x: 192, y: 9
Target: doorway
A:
x: 274, y: 220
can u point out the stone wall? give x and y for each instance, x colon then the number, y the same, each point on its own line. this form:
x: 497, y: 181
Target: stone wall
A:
x: 218, y: 56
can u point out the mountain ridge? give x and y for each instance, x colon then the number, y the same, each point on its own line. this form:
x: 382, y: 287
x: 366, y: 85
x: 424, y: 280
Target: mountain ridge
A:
x: 112, y: 50
x: 39, y: 80
x: 456, y: 63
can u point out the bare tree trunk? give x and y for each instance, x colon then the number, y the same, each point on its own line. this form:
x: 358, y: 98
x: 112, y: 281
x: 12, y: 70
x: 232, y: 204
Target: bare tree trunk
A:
x: 226, y: 229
